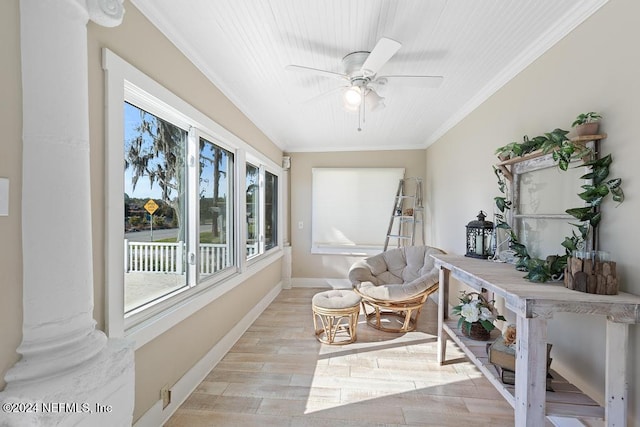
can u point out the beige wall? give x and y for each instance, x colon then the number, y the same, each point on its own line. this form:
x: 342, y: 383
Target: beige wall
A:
x: 166, y: 359
x: 159, y: 362
x: 10, y: 167
x: 305, y: 264
x: 595, y: 68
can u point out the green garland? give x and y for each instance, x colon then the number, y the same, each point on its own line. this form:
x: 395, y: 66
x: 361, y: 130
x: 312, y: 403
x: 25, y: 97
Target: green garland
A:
x: 563, y: 152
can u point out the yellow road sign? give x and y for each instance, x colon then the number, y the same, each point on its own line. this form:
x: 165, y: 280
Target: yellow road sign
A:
x: 151, y: 206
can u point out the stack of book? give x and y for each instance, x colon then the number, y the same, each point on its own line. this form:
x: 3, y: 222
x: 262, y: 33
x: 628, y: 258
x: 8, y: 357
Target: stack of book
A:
x: 503, y: 357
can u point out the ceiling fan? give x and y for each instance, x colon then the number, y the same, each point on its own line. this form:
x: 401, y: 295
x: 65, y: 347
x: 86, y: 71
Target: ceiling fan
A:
x: 360, y: 77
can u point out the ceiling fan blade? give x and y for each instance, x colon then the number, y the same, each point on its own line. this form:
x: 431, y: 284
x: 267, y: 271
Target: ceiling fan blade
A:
x: 384, y: 50
x: 317, y: 71
x: 324, y: 95
x: 419, y: 81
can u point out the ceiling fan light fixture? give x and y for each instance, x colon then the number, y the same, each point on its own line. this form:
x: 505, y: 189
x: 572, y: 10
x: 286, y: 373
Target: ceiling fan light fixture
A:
x: 374, y: 101
x: 352, y: 96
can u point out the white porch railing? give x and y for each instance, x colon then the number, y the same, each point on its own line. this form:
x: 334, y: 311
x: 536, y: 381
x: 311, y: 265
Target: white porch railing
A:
x: 153, y: 257
x: 213, y: 257
x: 157, y: 257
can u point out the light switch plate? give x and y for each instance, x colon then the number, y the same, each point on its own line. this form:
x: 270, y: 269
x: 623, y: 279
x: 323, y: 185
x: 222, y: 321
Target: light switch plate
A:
x: 4, y: 196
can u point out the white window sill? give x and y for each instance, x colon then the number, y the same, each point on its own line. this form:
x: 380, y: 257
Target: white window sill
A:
x: 149, y: 329
x: 346, y: 250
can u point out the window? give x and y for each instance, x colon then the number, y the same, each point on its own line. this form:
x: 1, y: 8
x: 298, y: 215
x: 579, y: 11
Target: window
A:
x: 339, y: 192
x: 175, y: 227
x: 253, y: 213
x: 216, y: 243
x: 261, y: 210
x: 271, y: 210
x: 154, y: 208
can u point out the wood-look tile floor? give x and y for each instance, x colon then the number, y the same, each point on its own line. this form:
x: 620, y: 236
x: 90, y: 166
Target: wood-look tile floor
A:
x: 277, y: 374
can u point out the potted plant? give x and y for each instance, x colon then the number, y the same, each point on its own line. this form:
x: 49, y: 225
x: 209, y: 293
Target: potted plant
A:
x: 476, y: 315
x: 587, y: 123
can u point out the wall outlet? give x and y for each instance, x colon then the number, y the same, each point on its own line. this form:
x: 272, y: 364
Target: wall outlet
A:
x: 165, y: 395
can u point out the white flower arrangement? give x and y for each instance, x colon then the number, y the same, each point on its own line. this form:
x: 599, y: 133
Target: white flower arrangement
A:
x: 474, y: 308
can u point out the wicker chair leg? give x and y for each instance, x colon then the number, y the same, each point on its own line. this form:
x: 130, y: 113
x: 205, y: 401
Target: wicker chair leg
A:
x: 334, y: 321
x: 407, y: 320
x: 405, y: 312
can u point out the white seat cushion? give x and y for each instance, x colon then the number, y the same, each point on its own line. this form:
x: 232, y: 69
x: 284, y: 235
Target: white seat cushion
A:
x: 396, y: 274
x: 337, y: 298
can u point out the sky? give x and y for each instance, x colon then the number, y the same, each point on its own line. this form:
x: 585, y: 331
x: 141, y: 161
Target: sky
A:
x: 143, y: 188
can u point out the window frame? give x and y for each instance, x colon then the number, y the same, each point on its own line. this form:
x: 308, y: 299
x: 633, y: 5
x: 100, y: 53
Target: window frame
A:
x: 169, y: 116
x: 124, y: 82
x: 233, y: 224
x: 258, y: 203
x: 276, y: 207
x: 517, y: 219
x: 273, y: 169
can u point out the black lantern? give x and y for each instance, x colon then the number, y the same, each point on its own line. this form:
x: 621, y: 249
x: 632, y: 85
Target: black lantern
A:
x: 479, y: 234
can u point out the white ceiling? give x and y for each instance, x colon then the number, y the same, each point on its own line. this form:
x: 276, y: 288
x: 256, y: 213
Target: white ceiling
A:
x: 243, y: 46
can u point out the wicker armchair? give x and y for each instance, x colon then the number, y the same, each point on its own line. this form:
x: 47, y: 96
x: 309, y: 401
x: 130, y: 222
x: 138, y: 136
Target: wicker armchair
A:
x: 395, y: 284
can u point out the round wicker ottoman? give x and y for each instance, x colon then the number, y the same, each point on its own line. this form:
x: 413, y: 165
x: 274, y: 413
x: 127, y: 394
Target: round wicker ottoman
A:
x: 337, y: 312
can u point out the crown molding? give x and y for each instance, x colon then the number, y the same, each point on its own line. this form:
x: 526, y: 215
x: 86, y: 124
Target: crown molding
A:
x: 536, y: 49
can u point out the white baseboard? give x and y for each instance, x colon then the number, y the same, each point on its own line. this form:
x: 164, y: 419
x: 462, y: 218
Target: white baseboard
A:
x: 156, y: 416
x: 312, y: 282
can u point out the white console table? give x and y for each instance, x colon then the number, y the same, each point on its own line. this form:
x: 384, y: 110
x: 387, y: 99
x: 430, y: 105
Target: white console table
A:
x: 533, y: 304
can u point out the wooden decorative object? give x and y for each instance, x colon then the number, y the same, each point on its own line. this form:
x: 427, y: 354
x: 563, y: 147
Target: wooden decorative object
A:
x: 591, y: 276
x: 506, y: 166
x: 533, y: 304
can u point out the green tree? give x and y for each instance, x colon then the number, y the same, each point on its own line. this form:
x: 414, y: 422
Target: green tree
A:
x: 251, y: 198
x: 216, y: 160
x: 157, y: 152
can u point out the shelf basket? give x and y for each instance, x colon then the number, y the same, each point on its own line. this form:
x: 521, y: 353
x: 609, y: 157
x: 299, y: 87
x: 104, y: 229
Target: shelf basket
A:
x: 475, y: 331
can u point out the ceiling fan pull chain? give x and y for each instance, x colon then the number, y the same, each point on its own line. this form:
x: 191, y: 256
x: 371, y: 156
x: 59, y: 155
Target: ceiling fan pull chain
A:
x: 361, y: 113
x: 364, y: 111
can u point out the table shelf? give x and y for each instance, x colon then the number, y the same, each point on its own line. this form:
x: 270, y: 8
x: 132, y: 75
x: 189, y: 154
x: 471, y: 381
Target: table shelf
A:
x: 533, y: 304
x: 565, y: 401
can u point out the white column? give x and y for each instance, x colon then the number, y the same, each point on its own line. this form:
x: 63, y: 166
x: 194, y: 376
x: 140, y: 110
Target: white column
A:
x: 68, y: 369
x: 284, y: 220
